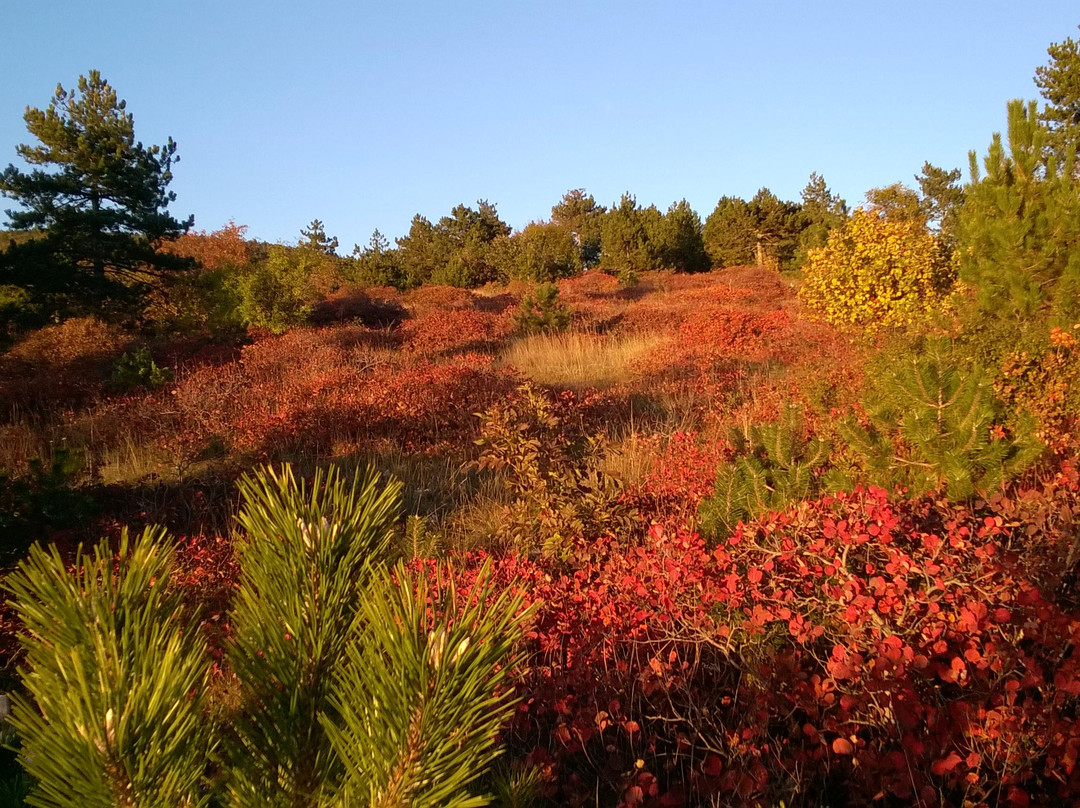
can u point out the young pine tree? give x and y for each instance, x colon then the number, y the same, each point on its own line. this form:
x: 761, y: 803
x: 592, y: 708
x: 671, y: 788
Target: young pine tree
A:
x: 115, y: 709
x: 1019, y: 228
x: 307, y: 554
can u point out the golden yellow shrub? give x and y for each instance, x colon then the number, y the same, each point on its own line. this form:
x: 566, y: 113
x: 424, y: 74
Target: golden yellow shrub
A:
x: 875, y: 271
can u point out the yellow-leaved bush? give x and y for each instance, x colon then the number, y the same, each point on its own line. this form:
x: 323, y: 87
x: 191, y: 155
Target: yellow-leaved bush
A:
x: 876, y: 271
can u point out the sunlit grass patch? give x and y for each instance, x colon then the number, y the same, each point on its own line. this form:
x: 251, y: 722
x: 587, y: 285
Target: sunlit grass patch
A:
x: 578, y: 360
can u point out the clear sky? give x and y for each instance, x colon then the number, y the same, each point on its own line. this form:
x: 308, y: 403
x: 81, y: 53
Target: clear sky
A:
x: 362, y: 114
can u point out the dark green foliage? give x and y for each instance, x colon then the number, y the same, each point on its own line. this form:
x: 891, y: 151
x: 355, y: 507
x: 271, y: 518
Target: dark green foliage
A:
x: 637, y: 239
x: 541, y: 310
x: 137, y: 368
x: 778, y: 224
x: 1059, y: 83
x: 931, y: 427
x: 378, y: 264
x: 421, y: 698
x: 764, y: 231
x: 822, y: 211
x: 1019, y: 228
x: 456, y: 251
x: 774, y: 466
x: 114, y: 711
x: 579, y: 213
x: 307, y: 554
x: 541, y: 253
x: 45, y: 497
x: 942, y: 199
x: 626, y: 236
x: 99, y: 200
x: 314, y: 237
x: 678, y: 240
x: 730, y: 233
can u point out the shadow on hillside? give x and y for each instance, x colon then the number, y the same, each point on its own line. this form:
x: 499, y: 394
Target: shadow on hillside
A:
x: 495, y: 304
x: 356, y: 306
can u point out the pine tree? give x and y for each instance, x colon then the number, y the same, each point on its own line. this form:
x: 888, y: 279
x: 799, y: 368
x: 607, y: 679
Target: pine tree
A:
x: 578, y: 212
x: 115, y: 708
x: 99, y: 202
x: 777, y: 225
x: 314, y: 237
x: 626, y: 237
x: 942, y: 198
x: 678, y: 241
x: 420, y: 700
x: 774, y: 466
x: 822, y: 212
x: 358, y: 685
x: 1019, y: 228
x: 307, y: 554
x: 1059, y: 83
x: 931, y: 428
x: 730, y: 233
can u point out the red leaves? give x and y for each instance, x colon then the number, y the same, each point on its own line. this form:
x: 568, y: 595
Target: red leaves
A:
x: 842, y: 746
x: 946, y: 764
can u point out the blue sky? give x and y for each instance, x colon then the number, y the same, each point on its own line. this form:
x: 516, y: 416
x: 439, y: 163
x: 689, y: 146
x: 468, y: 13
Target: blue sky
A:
x: 363, y: 114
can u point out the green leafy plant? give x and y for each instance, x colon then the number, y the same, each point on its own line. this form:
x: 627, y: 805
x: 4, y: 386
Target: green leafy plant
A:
x: 774, y: 466
x: 137, y: 368
x: 114, y: 712
x: 557, y: 488
x: 278, y: 293
x: 542, y: 311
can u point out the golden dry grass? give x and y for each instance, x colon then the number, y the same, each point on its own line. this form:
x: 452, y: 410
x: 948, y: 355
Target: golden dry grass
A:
x: 578, y: 360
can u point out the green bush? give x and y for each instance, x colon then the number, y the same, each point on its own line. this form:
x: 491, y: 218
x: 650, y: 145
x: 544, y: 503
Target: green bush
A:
x: 542, y: 311
x: 933, y: 427
x: 137, y: 368
x: 774, y: 466
x: 277, y: 293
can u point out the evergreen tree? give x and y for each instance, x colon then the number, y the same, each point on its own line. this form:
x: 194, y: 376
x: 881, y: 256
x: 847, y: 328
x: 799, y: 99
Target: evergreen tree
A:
x: 417, y: 252
x: 115, y: 709
x: 423, y: 692
x: 579, y: 213
x: 777, y: 227
x: 306, y: 557
x: 730, y: 233
x: 678, y: 242
x: 99, y: 200
x: 378, y: 264
x: 942, y: 198
x: 1019, y: 228
x: 774, y: 466
x: 931, y: 429
x: 314, y: 237
x: 544, y: 252
x: 1059, y: 83
x: 822, y: 211
x: 625, y: 237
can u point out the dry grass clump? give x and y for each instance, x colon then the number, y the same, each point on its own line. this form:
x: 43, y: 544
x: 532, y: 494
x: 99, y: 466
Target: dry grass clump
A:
x: 80, y: 338
x: 578, y: 360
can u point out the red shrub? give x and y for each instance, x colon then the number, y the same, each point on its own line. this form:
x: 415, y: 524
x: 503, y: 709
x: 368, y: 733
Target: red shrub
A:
x: 851, y: 649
